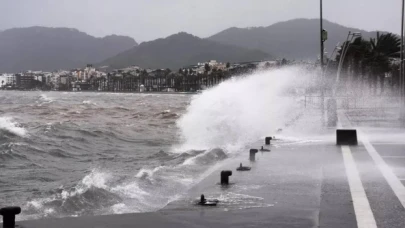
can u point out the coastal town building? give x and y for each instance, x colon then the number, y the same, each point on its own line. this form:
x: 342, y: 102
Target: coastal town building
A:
x: 132, y: 78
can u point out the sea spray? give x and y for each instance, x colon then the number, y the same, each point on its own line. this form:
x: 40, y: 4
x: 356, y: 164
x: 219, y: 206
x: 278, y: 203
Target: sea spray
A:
x: 240, y: 110
x: 217, y: 121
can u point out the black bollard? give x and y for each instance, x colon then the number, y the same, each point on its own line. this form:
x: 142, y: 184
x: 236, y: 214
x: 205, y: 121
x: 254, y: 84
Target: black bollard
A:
x: 8, y: 214
x: 243, y: 168
x: 252, y: 154
x: 264, y: 150
x: 207, y: 202
x: 267, y: 140
x: 225, y: 177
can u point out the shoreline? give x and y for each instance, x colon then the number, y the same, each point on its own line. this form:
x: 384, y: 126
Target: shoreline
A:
x: 91, y: 91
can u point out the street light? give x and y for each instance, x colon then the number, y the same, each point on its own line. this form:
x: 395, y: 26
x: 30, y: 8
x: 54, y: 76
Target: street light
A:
x: 401, y: 69
x: 337, y: 48
x: 321, y: 34
x: 351, y: 35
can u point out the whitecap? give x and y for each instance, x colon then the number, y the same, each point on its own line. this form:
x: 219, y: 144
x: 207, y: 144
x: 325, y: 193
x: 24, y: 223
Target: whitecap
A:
x: 7, y: 123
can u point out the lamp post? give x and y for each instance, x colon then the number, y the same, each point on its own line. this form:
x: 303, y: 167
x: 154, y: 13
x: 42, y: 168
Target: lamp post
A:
x: 401, y: 69
x: 351, y: 35
x: 331, y: 56
x: 321, y: 35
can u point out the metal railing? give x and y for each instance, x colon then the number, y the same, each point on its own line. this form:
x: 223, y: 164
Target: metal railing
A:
x: 350, y: 102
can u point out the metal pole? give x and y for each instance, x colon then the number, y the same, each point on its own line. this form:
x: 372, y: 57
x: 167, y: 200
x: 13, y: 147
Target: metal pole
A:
x: 321, y: 58
x: 401, y: 70
x: 343, y: 55
x: 321, y: 29
x: 331, y: 56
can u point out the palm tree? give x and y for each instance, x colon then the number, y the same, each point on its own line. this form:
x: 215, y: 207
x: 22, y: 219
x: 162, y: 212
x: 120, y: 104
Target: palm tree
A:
x: 371, y: 56
x: 382, y: 48
x: 354, y: 62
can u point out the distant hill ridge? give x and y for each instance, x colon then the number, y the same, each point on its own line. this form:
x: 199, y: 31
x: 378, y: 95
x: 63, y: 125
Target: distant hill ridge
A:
x: 293, y: 39
x: 43, y: 48
x: 180, y: 50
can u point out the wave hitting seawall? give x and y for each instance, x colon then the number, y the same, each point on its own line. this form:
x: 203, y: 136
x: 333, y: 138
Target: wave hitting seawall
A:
x: 74, y: 154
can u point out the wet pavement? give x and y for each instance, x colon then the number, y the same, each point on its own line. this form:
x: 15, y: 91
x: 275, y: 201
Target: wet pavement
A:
x: 309, y: 183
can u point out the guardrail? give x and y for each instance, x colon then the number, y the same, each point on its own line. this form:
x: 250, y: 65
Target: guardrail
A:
x: 351, y: 102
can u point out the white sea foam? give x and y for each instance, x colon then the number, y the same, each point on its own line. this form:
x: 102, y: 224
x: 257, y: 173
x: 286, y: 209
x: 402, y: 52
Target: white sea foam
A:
x: 8, y: 124
x: 95, y: 178
x: 45, y: 98
x: 89, y: 102
x: 147, y: 172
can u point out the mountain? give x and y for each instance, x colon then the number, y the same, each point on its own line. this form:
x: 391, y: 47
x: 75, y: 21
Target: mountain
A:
x: 42, y: 48
x: 294, y: 39
x: 180, y: 50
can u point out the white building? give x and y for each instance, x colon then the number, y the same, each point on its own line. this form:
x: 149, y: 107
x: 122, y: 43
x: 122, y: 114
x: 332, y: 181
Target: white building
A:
x: 3, y: 80
x: 9, y: 79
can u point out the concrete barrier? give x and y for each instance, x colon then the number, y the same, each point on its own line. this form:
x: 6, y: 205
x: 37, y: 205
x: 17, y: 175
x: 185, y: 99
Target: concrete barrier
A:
x: 346, y: 137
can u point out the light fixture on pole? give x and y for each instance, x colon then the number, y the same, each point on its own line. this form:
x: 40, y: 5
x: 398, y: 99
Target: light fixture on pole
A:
x: 346, y: 45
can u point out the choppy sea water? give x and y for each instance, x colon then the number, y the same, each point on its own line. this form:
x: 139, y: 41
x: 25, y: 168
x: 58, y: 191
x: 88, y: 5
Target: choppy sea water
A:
x: 73, y: 154
x: 66, y: 154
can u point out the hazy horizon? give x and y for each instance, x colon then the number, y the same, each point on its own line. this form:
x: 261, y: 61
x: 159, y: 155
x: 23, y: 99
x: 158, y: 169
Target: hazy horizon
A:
x: 148, y: 20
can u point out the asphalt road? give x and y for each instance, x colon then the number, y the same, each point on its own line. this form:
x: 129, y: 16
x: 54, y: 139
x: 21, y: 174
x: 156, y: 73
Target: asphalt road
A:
x: 304, y: 184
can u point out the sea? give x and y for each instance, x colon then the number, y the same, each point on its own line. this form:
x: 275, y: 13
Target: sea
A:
x: 95, y: 153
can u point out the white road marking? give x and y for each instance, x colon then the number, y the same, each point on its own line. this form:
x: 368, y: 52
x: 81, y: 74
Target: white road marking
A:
x: 388, y: 143
x: 362, y: 209
x: 364, y: 214
x: 392, y: 180
x: 392, y: 156
x: 386, y: 171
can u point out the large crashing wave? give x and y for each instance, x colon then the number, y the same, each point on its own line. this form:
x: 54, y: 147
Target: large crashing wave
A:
x: 238, y: 111
x: 217, y: 122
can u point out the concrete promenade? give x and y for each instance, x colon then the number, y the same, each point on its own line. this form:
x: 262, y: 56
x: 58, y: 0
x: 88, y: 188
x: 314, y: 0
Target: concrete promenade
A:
x: 306, y: 180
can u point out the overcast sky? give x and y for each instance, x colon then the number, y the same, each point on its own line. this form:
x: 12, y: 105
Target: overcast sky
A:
x: 150, y: 19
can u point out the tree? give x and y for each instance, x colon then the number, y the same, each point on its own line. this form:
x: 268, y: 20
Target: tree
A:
x: 355, y: 58
x: 284, y: 62
x: 371, y: 57
x: 382, y: 48
x: 207, y: 67
x: 2, y: 82
x: 228, y: 65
